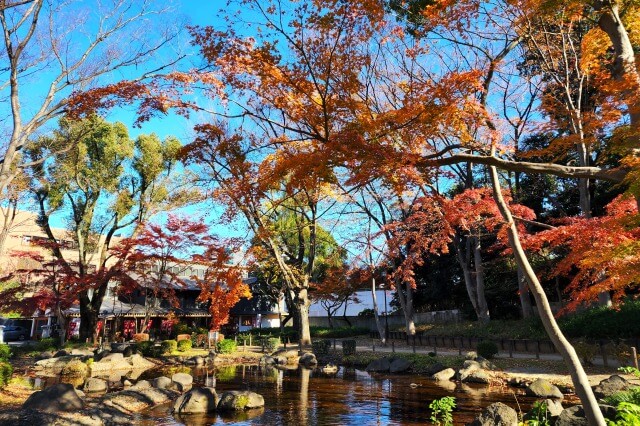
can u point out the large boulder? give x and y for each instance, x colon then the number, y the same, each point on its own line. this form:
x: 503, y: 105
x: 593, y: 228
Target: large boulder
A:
x: 82, y: 352
x: 240, y: 400
x: 100, y: 354
x: 444, y: 375
x: 610, y: 386
x: 308, y: 359
x: 381, y: 365
x: 138, y: 362
x: 469, y: 367
x: 142, y: 384
x: 182, y: 381
x: 94, y: 384
x: 575, y: 416
x: 54, y: 365
x: 541, y: 388
x: 61, y: 352
x: 399, y: 365
x: 497, y: 414
x: 162, y: 382
x: 267, y: 360
x: 60, y: 397
x: 199, y: 400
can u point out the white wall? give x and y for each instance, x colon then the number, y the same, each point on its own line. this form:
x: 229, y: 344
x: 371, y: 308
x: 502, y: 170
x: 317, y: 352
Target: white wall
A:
x: 365, y: 301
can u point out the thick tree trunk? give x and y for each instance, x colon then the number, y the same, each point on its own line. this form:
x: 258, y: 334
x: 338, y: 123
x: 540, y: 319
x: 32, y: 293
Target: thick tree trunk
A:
x: 379, y: 326
x: 405, y: 296
x: 523, y: 293
x: 578, y: 375
x: 302, y: 316
x: 483, y: 309
x: 88, y: 320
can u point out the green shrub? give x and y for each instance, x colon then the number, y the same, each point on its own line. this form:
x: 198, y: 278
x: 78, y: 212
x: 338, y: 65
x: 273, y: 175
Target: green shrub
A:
x: 181, y: 328
x: 271, y: 343
x: 226, y: 346
x: 149, y: 349
x: 5, y: 352
x: 321, y: 347
x: 47, y: 344
x: 627, y: 414
x: 244, y: 338
x: 169, y: 346
x: 348, y: 347
x: 184, y: 345
x: 487, y: 349
x: 338, y: 332
x: 604, y: 322
x: 631, y: 396
x: 6, y: 370
x: 441, y: 410
x: 198, y: 340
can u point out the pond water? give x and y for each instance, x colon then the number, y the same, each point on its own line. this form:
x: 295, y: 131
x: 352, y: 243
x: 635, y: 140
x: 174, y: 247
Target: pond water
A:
x: 351, y: 397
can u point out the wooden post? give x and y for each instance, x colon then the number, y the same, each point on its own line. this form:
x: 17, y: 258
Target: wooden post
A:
x: 510, y: 348
x: 635, y: 357
x: 393, y: 347
x: 537, y: 349
x: 435, y: 349
x: 334, y: 344
x: 374, y: 346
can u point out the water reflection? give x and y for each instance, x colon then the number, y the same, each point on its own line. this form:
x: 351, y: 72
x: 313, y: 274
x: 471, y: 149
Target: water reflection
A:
x: 310, y: 398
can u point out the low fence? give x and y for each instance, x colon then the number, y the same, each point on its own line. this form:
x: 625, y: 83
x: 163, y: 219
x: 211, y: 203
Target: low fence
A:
x: 394, y: 321
x: 537, y: 346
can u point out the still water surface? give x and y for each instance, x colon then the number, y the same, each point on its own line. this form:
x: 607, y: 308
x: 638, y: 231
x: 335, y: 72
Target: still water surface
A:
x: 352, y: 397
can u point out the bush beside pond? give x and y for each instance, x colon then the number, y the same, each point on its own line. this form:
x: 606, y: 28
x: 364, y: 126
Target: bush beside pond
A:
x: 226, y: 346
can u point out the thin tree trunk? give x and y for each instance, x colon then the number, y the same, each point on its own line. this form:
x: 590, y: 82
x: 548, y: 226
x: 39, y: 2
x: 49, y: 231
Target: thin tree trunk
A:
x: 379, y: 325
x: 578, y: 375
x: 483, y: 309
x: 463, y: 260
x: 523, y: 293
x: 406, y: 303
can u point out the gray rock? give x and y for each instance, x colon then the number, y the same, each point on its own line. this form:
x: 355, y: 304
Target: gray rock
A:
x: 199, y: 400
x: 127, y: 383
x: 94, y: 384
x: 44, y: 355
x: 575, y: 416
x: 497, y: 414
x: 60, y: 353
x: 111, y: 357
x: 118, y: 347
x: 280, y: 360
x: 60, y: 397
x: 101, y: 354
x: 469, y: 367
x: 399, y: 365
x: 82, y: 352
x: 541, y: 388
x: 142, y: 384
x: 610, y: 386
x: 240, y: 400
x: 80, y: 393
x: 139, y: 362
x: 267, y: 360
x: 308, y: 359
x: 444, y: 375
x: 127, y: 352
x: 198, y: 360
x: 162, y: 382
x: 182, y: 381
x: 433, y: 369
x: 554, y: 407
x: 381, y: 365
x: 478, y: 376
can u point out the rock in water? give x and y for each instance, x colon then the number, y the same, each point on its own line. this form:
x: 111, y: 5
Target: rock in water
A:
x: 399, y: 365
x: 381, y: 365
x: 541, y: 388
x: 200, y: 400
x: 240, y: 400
x: 182, y: 381
x: 497, y: 414
x: 94, y: 384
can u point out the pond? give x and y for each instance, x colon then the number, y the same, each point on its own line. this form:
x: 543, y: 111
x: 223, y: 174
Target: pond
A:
x: 351, y: 397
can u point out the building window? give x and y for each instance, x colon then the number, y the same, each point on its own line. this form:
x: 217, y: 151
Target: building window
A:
x: 246, y: 321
